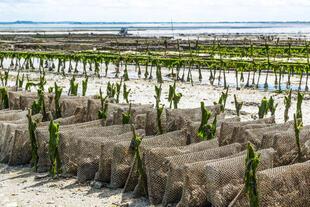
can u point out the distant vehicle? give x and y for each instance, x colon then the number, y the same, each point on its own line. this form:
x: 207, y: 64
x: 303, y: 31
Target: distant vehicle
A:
x: 123, y: 31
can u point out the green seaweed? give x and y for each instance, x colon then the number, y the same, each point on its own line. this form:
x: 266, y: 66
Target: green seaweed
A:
x: 159, y: 110
x: 222, y: 100
x: 73, y: 87
x: 4, y: 98
x: 84, y: 86
x: 263, y: 108
x: 50, y: 89
x: 300, y: 97
x: 126, y: 117
x: 6, y: 77
x: 238, y: 105
x: 250, y: 178
x: 111, y: 90
x: 287, y: 103
x: 158, y: 92
x: 53, y: 149
x: 271, y: 106
x: 57, y: 96
x: 174, y: 97
x: 29, y: 84
x: 38, y: 106
x: 32, y: 125
x: 126, y: 93
x: 297, y: 126
x: 118, y: 90
x: 103, y: 112
x: 206, y: 131
x: 134, y: 151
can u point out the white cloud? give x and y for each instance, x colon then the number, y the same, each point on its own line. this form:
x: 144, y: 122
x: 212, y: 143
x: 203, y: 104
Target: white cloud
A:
x: 154, y: 10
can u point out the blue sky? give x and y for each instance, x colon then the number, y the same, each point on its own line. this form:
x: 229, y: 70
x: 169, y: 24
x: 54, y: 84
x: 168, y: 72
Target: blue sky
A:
x: 155, y: 10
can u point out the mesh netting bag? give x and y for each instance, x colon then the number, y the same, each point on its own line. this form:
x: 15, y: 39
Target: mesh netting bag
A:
x: 7, y: 135
x: 238, y: 133
x: 20, y: 153
x: 71, y: 143
x: 255, y: 136
x: 284, y: 144
x: 151, y: 125
x: 20, y: 146
x: 157, y: 168
x: 160, y: 173
x: 285, y: 186
x: 201, y: 190
x: 14, y: 88
x: 106, y: 155
x: 176, y: 118
x: 3, y: 130
x: 78, y: 117
x: 133, y: 183
x: 93, y: 150
x: 93, y: 105
x: 192, y: 127
x: 3, y: 111
x: 268, y: 139
x: 254, y: 133
x: 122, y: 161
x: 140, y: 121
x: 135, y: 110
x: 69, y: 105
x: 174, y: 185
x: 224, y: 179
x: 194, y: 192
x: 306, y: 150
x: 173, y: 119
x: 9, y: 121
x: 14, y: 98
x: 13, y: 115
x: 227, y: 128
x: 42, y: 135
x: 26, y: 101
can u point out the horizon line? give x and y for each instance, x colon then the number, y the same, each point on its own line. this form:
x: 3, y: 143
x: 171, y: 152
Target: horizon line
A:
x: 145, y: 22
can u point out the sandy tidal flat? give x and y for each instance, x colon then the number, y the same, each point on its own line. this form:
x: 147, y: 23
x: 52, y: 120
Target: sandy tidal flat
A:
x: 20, y: 187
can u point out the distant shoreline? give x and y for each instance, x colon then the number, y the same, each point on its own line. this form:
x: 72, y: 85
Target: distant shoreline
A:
x: 157, y: 29
x: 160, y: 22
